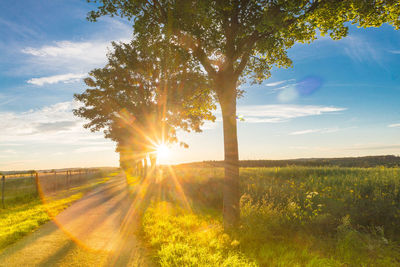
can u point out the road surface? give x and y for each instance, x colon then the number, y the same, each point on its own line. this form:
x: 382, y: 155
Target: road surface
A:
x: 97, y: 230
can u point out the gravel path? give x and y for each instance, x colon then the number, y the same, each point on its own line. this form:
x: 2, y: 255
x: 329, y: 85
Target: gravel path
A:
x: 97, y: 230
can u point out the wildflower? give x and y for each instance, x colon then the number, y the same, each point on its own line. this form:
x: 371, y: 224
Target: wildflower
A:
x: 235, y: 243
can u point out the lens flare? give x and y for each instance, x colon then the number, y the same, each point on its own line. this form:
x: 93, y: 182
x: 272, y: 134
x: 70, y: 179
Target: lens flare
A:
x: 162, y: 151
x: 309, y: 85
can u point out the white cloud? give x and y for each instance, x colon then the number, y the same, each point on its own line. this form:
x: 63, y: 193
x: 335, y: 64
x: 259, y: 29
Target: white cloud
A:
x: 66, y: 51
x: 281, y: 113
x: 394, y: 51
x: 66, y: 78
x: 394, y: 125
x: 309, y: 131
x: 67, y: 56
x: 272, y: 84
x: 53, y: 124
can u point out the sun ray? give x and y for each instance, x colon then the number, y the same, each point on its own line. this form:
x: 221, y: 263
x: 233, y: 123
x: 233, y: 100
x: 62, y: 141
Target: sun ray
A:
x: 179, y: 189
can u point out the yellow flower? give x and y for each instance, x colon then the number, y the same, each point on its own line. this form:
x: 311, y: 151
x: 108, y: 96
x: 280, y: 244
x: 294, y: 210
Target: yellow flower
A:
x: 235, y: 243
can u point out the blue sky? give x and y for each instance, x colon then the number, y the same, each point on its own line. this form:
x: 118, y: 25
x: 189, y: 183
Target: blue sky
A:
x: 341, y: 98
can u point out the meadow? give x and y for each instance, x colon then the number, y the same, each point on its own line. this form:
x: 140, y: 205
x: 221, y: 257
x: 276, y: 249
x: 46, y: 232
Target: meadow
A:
x: 290, y: 216
x: 26, y: 209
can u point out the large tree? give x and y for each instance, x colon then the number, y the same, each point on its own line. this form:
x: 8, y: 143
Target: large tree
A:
x: 234, y: 39
x: 139, y: 103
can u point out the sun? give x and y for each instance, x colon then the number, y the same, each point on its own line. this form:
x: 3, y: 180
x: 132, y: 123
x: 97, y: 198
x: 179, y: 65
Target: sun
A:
x: 162, y: 151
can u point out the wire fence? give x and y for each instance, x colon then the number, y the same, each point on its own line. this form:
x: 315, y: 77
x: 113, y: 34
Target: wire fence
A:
x: 23, y: 187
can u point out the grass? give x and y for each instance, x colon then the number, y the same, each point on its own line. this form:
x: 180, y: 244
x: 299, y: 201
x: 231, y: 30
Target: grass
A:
x: 26, y: 212
x: 293, y: 216
x: 185, y: 239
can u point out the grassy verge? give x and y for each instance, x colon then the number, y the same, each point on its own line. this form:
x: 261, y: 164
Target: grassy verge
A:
x: 185, y: 239
x: 295, y: 216
x: 22, y: 218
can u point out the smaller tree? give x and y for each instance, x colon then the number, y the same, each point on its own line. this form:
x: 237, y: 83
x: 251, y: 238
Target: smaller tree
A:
x: 141, y: 97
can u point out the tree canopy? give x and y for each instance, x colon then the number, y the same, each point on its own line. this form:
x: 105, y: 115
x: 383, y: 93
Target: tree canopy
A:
x: 230, y: 40
x: 139, y: 103
x: 244, y: 36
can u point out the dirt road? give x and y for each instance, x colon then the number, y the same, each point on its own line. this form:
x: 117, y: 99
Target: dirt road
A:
x: 97, y: 230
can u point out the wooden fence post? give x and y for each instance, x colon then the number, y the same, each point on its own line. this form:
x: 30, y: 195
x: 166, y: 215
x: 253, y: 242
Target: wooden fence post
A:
x: 2, y: 189
x: 55, y: 180
x: 37, y: 183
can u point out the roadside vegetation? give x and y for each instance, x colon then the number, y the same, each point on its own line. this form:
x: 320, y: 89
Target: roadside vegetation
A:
x: 26, y: 211
x: 292, y: 216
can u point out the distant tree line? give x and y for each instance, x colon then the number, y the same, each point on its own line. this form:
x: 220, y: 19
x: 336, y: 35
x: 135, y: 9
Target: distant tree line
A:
x: 361, y: 162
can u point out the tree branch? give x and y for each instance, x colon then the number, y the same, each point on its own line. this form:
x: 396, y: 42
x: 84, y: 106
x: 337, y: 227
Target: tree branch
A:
x: 247, y: 47
x: 202, y: 57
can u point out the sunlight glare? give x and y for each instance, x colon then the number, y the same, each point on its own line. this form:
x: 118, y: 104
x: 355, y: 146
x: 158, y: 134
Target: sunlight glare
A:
x: 162, y: 151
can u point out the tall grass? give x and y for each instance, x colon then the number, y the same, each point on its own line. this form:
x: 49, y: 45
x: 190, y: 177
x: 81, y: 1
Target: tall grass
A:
x: 292, y: 216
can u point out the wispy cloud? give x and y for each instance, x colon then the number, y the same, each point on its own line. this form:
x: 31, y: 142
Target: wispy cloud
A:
x: 91, y: 52
x: 310, y: 131
x: 6, y: 101
x: 58, y: 126
x: 360, y: 50
x: 394, y: 51
x: 272, y: 84
x: 290, y: 90
x: 394, y: 125
x: 54, y: 124
x: 18, y: 29
x: 70, y: 57
x: 66, y: 78
x: 282, y: 113
x: 67, y: 55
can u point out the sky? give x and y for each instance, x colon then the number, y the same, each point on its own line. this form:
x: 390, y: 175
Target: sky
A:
x: 340, y: 98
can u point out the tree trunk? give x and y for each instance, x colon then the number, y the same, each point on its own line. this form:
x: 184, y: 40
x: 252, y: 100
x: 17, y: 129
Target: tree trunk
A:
x: 227, y: 99
x: 145, y: 167
x: 153, y: 160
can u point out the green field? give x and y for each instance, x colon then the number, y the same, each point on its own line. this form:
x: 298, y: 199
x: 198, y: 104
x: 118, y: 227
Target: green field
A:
x: 25, y: 211
x: 291, y: 216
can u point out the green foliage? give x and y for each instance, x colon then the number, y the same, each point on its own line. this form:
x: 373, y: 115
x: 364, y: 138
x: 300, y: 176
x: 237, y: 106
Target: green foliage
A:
x: 142, y: 96
x: 245, y: 37
x: 185, y: 239
x: 369, y: 196
x: 137, y: 88
x: 363, y: 162
x: 292, y: 216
